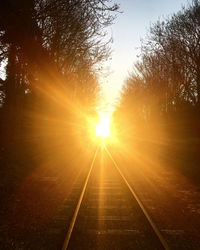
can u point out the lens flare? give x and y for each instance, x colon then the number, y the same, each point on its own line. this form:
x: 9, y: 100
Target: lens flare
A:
x: 103, y: 128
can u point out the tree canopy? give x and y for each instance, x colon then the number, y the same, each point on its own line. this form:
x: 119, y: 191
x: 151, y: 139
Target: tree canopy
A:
x: 53, y: 50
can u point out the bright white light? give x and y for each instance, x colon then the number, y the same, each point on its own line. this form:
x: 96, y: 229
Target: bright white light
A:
x: 103, y: 128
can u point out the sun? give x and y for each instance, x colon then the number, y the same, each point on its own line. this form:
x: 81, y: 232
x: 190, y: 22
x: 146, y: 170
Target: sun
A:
x: 103, y: 128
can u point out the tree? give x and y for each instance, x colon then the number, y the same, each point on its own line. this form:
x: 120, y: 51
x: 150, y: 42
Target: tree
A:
x: 163, y: 90
x: 52, y: 47
x: 169, y: 64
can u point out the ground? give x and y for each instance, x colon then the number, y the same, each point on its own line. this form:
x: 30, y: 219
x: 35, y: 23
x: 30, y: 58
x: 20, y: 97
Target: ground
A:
x: 171, y: 197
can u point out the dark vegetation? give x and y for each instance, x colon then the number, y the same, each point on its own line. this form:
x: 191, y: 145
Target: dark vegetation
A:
x: 53, y: 50
x: 160, y: 102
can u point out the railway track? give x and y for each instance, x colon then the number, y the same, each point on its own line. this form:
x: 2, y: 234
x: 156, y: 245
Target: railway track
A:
x: 109, y: 215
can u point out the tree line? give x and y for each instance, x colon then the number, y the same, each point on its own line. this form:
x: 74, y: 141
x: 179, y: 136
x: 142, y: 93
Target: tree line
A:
x: 53, y: 50
x: 164, y: 87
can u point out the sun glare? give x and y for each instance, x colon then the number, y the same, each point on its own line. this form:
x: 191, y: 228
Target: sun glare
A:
x: 103, y: 128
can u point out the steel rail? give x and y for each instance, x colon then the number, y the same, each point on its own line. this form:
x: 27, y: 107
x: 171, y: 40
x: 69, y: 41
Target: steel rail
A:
x: 73, y: 220
x: 151, y: 222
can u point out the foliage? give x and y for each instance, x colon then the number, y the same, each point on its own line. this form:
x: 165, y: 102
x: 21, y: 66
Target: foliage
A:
x: 53, y: 49
x: 160, y: 101
x: 166, y: 79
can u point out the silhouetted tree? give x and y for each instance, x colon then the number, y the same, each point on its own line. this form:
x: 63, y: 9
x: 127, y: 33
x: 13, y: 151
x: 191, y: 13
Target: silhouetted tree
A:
x: 51, y: 47
x: 169, y: 65
x: 164, y: 86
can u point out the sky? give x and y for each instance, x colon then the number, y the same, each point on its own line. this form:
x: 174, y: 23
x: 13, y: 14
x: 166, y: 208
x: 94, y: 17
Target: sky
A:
x: 127, y: 31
